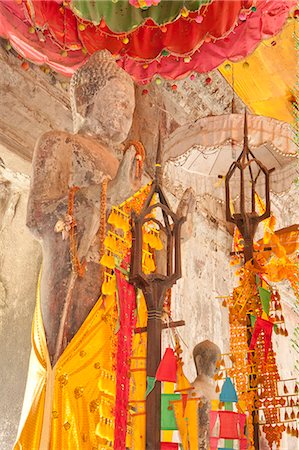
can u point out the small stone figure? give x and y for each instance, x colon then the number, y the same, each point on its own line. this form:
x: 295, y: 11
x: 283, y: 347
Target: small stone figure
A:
x: 205, y: 354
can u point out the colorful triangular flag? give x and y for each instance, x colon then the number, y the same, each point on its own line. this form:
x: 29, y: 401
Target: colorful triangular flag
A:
x: 228, y: 392
x: 265, y: 297
x: 150, y: 384
x: 167, y: 367
x: 168, y: 421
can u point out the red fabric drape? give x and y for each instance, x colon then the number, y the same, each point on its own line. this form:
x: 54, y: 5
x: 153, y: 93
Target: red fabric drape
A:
x: 169, y: 446
x: 213, y: 418
x: 243, y: 444
x: 148, y: 40
x: 127, y: 319
x: 242, y: 421
x: 267, y: 327
x: 229, y: 422
x: 213, y: 443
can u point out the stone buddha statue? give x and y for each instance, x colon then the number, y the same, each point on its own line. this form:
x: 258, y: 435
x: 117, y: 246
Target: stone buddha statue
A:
x: 102, y: 98
x: 205, y: 354
x: 76, y: 179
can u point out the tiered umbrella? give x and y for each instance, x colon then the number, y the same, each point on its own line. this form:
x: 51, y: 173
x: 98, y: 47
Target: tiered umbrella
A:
x: 148, y: 38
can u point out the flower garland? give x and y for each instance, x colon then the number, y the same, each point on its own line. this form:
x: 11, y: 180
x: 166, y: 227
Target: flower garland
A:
x: 77, y: 265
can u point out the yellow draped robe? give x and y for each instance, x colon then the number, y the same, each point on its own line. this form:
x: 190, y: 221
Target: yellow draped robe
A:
x: 63, y: 406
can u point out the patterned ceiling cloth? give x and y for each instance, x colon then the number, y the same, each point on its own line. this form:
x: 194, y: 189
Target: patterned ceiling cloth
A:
x: 169, y: 44
x: 121, y: 16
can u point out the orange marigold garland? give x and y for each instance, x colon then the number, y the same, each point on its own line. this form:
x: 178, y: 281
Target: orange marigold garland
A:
x: 103, y: 220
x: 77, y: 265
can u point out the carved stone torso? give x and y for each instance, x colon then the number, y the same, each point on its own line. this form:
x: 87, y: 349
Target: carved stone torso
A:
x: 205, y: 355
x: 62, y: 160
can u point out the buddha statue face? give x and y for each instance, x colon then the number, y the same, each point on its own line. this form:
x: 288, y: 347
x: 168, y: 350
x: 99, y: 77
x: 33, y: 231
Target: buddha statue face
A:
x: 206, y: 354
x: 103, y: 99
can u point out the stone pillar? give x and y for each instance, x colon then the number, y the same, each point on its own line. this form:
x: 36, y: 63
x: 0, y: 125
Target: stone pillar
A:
x: 20, y: 260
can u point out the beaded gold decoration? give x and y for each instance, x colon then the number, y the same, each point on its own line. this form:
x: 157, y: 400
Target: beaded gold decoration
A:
x: 256, y: 379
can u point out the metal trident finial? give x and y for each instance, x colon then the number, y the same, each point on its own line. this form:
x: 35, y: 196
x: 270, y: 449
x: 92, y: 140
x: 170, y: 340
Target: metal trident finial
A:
x: 245, y: 140
x: 158, y: 171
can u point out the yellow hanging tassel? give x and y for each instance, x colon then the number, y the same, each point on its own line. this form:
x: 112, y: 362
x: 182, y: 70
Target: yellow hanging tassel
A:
x: 159, y: 245
x: 146, y: 237
x: 112, y: 286
x: 100, y: 430
x: 109, y: 285
x: 109, y: 242
x: 112, y: 219
x: 151, y: 264
x: 125, y: 225
x: 152, y: 240
x: 108, y: 261
x: 118, y: 221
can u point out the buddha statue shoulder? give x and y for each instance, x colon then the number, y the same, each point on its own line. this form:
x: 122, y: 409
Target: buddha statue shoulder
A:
x: 81, y: 168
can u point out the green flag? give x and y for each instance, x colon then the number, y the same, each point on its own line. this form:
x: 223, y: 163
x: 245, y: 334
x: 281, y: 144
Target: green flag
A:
x: 168, y: 421
x: 265, y: 297
x: 252, y: 320
x: 150, y: 384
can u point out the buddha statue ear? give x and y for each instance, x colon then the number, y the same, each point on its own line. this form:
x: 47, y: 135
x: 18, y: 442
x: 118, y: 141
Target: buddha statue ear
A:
x: 198, y: 363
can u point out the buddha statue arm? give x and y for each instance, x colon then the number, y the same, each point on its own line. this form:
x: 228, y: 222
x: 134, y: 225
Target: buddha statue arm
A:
x: 49, y: 183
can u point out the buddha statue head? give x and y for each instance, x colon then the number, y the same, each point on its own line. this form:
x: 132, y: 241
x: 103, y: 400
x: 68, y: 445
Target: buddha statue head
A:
x: 206, y: 354
x: 102, y: 99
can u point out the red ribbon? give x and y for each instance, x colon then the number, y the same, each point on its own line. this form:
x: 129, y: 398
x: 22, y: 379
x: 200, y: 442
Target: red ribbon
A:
x: 267, y: 327
x: 127, y: 304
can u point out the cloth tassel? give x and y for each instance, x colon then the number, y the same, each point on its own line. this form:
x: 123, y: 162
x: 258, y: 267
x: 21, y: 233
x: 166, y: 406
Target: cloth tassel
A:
x: 267, y: 327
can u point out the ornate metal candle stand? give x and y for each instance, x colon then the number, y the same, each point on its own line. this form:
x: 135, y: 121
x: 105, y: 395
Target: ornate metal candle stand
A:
x: 250, y: 171
x: 154, y: 287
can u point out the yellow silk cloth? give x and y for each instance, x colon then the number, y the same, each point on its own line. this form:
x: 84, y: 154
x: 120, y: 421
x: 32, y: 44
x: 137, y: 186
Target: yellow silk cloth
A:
x: 66, y: 406
x: 187, y: 422
x: 138, y: 380
x: 266, y: 79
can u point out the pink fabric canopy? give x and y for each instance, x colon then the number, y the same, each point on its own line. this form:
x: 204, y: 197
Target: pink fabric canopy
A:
x: 43, y: 34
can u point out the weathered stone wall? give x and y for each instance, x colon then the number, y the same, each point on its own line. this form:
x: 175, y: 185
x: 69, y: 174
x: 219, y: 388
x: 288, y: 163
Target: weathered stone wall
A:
x: 20, y: 259
x: 206, y: 276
